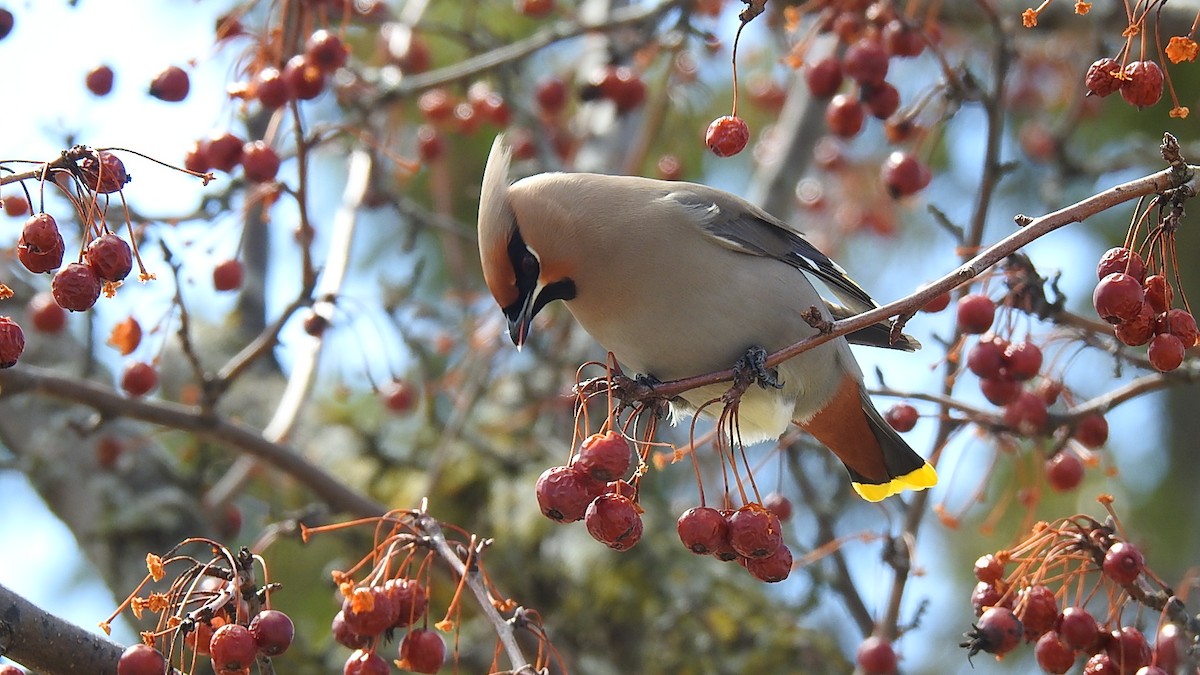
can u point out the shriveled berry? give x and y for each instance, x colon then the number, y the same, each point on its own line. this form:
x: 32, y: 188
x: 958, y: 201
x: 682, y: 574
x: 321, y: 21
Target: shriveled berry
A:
x: 975, y: 313
x: 272, y: 631
x: 754, y: 532
x: 988, y: 568
x: 702, y: 529
x: 1103, y: 77
x: 824, y: 77
x: 1128, y: 649
x: 109, y: 257
x: 727, y: 136
x: 1158, y: 293
x: 1038, y: 609
x: 40, y: 247
x: 1165, y: 352
x: 422, y: 651
x: 363, y: 662
x: 409, y: 600
x: 996, y: 631
x: 368, y: 611
x: 1181, y: 324
x: 565, y: 492
x: 200, y: 637
x: 773, y: 568
x: 1053, y: 655
x: 604, y: 457
x: 844, y: 116
x: 1121, y: 259
x: 76, y: 287
x: 103, y: 172
x: 1078, y: 628
x: 139, y: 378
x: 1064, y: 471
x: 141, y: 659
x: 1143, y: 84
x: 228, y: 275
x: 344, y: 635
x: 614, y: 521
x: 232, y: 648
x: 876, y: 656
x: 1139, y: 330
x: 987, y: 594
x: 12, y: 342
x: 99, y: 80
x: 1123, y: 562
x: 171, y: 84
x: 1118, y: 297
x: 902, y: 417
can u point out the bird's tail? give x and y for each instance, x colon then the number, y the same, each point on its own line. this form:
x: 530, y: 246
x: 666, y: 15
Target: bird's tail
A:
x: 906, y: 470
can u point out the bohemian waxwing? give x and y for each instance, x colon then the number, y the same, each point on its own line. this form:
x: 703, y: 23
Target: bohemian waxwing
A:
x: 678, y: 279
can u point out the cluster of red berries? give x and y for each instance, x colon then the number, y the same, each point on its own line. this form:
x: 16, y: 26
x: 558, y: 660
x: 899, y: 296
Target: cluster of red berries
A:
x: 1140, y: 82
x: 592, y: 488
x: 443, y: 112
x: 302, y: 78
x: 751, y: 535
x: 1139, y: 306
x: 209, y: 609
x: 225, y: 151
x: 1021, y: 606
x: 369, y: 612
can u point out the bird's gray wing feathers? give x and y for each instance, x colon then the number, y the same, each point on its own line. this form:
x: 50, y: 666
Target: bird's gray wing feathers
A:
x: 743, y: 227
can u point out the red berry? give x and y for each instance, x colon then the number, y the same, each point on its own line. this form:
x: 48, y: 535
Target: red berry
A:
x: 139, y: 378
x: 882, y: 100
x: 45, y: 314
x: 779, y: 505
x: 1022, y: 360
x: 1121, y: 259
x: 369, y: 611
x: 902, y: 417
x: 400, y: 396
x: 76, y: 287
x: 551, y: 94
x: 622, y: 86
x: 344, y: 635
x: 1001, y: 390
x: 702, y: 529
x: 6, y: 23
x: 431, y: 145
x: 16, y: 206
x: 1103, y: 77
x: 365, y: 663
x: 100, y: 80
x: 40, y: 247
x: 565, y: 492
x: 1123, y: 562
x: 904, y: 174
x: 1118, y: 297
x: 12, y: 342
x: 866, y: 62
x: 975, y: 313
x: 986, y: 357
x: 326, y: 51
x: 824, y: 77
x: 1064, y: 471
x: 270, y: 88
x: 1170, y: 647
x: 1053, y: 655
x: 1050, y: 389
x: 1026, y: 415
x: 272, y: 631
x: 613, y: 520
x: 141, y: 659
x: 844, y: 116
x: 989, y: 569
x: 1158, y: 293
x: 900, y: 39
x: 197, y: 159
x: 727, y: 136
x: 986, y: 595
x: 1038, y: 609
x: 260, y: 162
x: 232, y: 648
x: 1151, y: 670
x: 1091, y: 431
x: 1128, y: 649
x: 227, y: 275
x: 876, y: 656
x: 1181, y: 324
x: 1078, y: 629
x: 1100, y: 664
x: 171, y: 84
x: 669, y: 167
x: 754, y: 532
x: 224, y: 151
x: 1139, y: 330
x: 109, y: 257
x: 773, y: 568
x: 534, y: 8
x: 996, y: 632
x: 1165, y: 352
x: 436, y: 105
x: 103, y: 172
x: 422, y: 651
x: 937, y: 304
x: 604, y: 457
x: 200, y: 637
x: 409, y: 600
x: 304, y: 79
x: 1143, y: 84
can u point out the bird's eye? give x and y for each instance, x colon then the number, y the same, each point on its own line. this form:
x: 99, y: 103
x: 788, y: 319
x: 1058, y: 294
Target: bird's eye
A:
x: 529, y: 266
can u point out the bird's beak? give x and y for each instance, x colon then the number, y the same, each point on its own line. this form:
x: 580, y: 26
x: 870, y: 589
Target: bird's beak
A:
x: 520, y: 322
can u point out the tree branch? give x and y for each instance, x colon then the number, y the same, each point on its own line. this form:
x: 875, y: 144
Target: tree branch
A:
x: 47, y: 644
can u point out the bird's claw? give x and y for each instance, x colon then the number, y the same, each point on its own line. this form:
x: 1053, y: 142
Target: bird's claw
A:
x: 752, y: 368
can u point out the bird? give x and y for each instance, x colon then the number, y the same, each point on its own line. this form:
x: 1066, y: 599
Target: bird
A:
x: 680, y: 279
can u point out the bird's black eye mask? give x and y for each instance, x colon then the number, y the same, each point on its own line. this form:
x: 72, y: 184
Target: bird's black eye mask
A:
x: 527, y: 270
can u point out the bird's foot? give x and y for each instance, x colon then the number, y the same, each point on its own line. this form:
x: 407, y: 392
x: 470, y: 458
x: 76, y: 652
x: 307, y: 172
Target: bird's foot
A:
x: 752, y: 369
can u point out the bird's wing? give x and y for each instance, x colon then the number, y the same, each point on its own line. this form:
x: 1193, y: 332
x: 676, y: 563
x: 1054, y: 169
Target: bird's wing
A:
x: 743, y: 227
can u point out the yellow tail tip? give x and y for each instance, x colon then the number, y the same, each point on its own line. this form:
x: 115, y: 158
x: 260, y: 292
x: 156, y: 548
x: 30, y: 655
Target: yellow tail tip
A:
x: 920, y: 479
